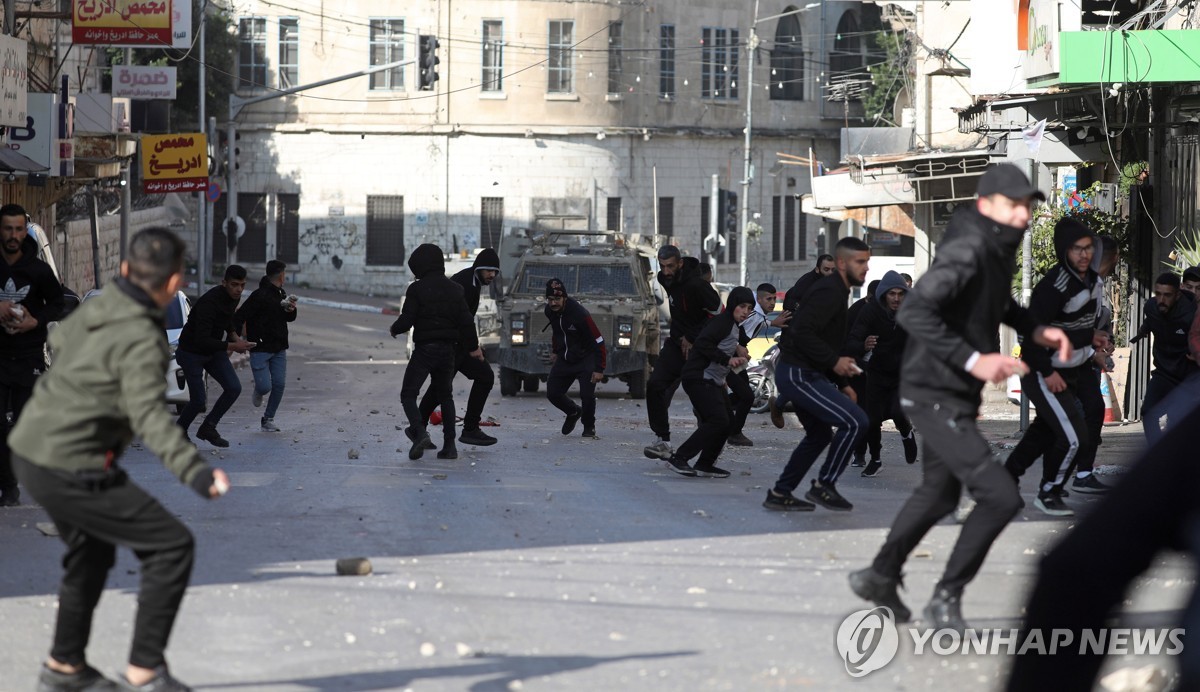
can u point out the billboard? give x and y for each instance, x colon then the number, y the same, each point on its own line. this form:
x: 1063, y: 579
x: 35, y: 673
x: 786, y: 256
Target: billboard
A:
x: 121, y: 22
x: 174, y: 163
x: 14, y: 85
x: 144, y: 82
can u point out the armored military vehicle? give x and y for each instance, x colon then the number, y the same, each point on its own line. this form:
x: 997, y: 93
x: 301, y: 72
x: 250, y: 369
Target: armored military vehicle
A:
x: 609, y: 273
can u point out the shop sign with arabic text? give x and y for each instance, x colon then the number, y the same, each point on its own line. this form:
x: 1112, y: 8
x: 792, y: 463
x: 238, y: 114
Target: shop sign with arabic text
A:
x: 174, y: 163
x: 121, y: 22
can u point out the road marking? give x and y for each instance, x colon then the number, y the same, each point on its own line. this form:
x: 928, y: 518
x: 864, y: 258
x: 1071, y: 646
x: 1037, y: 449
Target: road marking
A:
x: 356, y: 362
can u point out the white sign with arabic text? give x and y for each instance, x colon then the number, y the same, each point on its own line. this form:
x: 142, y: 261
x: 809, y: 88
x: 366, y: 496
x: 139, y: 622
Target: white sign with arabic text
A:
x: 140, y: 82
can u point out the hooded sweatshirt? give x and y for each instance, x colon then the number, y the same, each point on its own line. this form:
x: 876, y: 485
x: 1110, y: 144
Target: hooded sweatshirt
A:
x: 30, y: 282
x: 693, y: 300
x: 1065, y: 299
x: 209, y: 323
x: 717, y: 342
x: 876, y: 320
x: 574, y: 335
x: 434, y: 307
x: 469, y: 278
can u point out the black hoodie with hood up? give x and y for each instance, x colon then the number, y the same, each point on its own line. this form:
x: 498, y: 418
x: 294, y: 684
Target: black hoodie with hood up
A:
x: 1065, y: 299
x: 717, y: 342
x: 876, y: 320
x: 469, y: 278
x: 434, y: 307
x: 693, y: 300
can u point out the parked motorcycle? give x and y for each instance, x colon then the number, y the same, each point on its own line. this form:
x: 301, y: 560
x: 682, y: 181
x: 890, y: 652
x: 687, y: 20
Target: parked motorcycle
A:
x: 762, y: 379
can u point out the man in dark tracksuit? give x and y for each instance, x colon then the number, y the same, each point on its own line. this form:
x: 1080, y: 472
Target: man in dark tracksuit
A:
x: 952, y: 316
x: 792, y: 304
x: 859, y: 382
x: 472, y: 279
x: 704, y: 380
x: 204, y: 346
x: 578, y: 355
x: 810, y: 372
x: 1168, y: 316
x: 1067, y: 297
x: 693, y: 301
x: 436, y: 312
x: 264, y: 317
x: 876, y: 339
x: 30, y: 297
x: 105, y: 389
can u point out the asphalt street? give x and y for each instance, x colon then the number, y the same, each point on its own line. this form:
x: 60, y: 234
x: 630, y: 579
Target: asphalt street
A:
x: 541, y: 563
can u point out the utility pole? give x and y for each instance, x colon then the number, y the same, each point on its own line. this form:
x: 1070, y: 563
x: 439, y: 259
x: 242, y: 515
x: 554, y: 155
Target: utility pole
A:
x: 203, y: 248
x: 743, y: 236
x: 126, y: 194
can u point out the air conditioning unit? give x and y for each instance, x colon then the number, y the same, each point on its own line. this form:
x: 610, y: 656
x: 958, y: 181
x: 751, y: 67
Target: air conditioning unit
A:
x: 97, y: 113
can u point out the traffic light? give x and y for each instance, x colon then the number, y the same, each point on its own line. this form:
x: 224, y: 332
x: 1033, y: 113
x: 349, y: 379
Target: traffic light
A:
x: 231, y: 152
x: 427, y: 62
x: 729, y: 210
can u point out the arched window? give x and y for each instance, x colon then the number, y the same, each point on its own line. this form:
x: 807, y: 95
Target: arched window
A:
x: 787, y: 60
x: 847, y: 53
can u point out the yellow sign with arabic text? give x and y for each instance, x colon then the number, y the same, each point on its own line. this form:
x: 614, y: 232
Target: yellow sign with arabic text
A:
x: 117, y: 22
x: 174, y: 163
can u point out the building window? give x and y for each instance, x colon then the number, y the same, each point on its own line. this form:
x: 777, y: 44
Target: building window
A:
x: 491, y: 221
x: 252, y: 246
x: 493, y: 56
x: 614, y: 214
x: 385, y: 230
x: 666, y: 61
x: 666, y: 216
x: 252, y: 53
x: 788, y: 225
x: 719, y: 63
x: 289, y: 52
x: 287, y: 228
x: 776, y: 230
x: 561, y: 60
x: 615, y: 55
x: 387, y: 45
x: 847, y: 53
x: 787, y: 61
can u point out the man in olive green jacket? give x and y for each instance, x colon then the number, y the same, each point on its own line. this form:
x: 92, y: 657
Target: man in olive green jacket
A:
x: 107, y: 386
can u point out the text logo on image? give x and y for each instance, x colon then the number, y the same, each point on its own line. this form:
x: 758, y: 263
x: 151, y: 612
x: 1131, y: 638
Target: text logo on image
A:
x: 867, y: 640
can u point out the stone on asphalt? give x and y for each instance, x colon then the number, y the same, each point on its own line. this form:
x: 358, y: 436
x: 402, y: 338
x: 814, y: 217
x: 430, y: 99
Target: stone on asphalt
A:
x: 353, y: 566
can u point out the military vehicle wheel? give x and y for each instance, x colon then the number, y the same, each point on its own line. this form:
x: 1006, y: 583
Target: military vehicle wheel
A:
x: 531, y: 384
x: 637, y: 383
x: 510, y: 382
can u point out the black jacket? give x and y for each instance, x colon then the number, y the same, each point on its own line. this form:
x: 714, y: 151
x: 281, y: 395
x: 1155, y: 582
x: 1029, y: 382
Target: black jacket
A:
x: 817, y: 333
x: 876, y: 320
x: 1067, y: 300
x: 575, y: 336
x: 693, y: 300
x: 720, y: 331
x: 30, y: 282
x: 469, y: 279
x: 265, y: 319
x: 791, y: 299
x: 1170, y: 336
x: 434, y: 307
x: 209, y: 323
x: 955, y: 310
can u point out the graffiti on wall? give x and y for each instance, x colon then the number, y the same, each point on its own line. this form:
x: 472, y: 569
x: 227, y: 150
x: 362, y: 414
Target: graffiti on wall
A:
x: 330, y: 238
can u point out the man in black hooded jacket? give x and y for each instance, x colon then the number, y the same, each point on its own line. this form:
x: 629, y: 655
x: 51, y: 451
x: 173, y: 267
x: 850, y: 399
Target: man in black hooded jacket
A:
x: 952, y: 316
x: 436, y: 312
x: 693, y: 301
x: 471, y: 363
x: 577, y: 355
x: 30, y: 297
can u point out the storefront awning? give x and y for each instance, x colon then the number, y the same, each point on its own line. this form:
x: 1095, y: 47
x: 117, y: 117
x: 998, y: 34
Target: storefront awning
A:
x: 13, y: 162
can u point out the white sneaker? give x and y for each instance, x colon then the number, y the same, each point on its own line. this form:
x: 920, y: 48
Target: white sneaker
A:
x: 268, y: 425
x: 256, y: 400
x: 661, y: 449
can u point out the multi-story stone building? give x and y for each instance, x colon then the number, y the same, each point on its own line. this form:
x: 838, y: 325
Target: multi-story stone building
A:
x: 601, y: 114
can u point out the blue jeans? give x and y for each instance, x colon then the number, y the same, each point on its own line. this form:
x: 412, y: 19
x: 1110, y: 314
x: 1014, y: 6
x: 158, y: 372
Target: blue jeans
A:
x: 194, y: 365
x: 270, y: 375
x: 821, y: 407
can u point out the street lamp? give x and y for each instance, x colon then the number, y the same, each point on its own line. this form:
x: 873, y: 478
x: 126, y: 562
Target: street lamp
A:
x: 751, y: 46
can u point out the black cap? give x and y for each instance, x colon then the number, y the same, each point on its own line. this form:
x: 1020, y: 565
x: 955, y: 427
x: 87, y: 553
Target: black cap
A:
x: 1008, y: 180
x: 1191, y: 274
x: 555, y: 288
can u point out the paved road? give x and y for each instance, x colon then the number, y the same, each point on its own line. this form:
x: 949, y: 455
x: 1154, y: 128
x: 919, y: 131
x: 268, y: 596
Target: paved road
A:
x: 541, y: 563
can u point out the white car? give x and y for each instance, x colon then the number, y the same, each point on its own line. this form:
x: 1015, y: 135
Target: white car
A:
x: 176, y: 316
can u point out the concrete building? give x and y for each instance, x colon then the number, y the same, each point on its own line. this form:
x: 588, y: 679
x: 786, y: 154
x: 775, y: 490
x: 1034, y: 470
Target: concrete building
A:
x: 545, y: 115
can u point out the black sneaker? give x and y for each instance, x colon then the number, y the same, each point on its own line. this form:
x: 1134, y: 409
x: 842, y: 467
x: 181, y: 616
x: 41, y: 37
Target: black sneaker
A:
x: 680, y: 467
x: 786, y: 503
x: 449, y: 451
x: 872, y: 469
x: 163, y: 682
x: 1051, y: 503
x: 10, y: 497
x: 711, y: 472
x: 1089, y: 484
x: 590, y: 434
x: 910, y: 448
x: 872, y: 586
x: 209, y: 434
x: 476, y: 437
x: 859, y: 460
x: 944, y: 611
x: 828, y: 497
x: 87, y: 680
x: 421, y: 442
x: 740, y: 440
x: 408, y: 432
x: 569, y: 423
